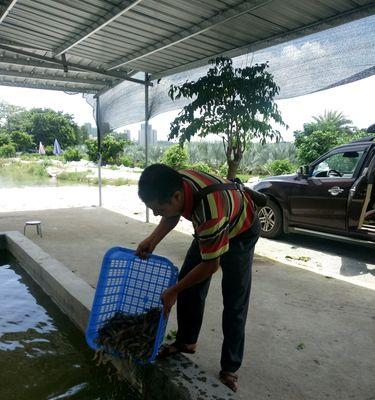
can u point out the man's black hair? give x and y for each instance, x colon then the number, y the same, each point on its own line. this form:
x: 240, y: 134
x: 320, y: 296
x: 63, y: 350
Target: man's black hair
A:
x: 159, y: 182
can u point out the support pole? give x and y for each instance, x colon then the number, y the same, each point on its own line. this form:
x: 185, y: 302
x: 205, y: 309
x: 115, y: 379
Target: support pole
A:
x: 147, y: 114
x: 99, y: 149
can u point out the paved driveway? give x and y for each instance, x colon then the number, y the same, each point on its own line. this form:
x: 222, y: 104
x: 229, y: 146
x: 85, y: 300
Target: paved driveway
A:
x: 349, y: 262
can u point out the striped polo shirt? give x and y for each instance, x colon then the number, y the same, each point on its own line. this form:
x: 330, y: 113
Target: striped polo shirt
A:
x: 219, y: 216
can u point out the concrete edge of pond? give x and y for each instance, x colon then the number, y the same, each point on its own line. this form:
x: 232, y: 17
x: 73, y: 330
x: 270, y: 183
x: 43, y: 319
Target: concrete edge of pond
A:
x: 175, y: 378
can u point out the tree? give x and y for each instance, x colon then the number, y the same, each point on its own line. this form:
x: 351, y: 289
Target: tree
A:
x: 8, y: 112
x: 310, y: 147
x: 235, y: 103
x: 330, y: 121
x: 46, y: 125
x: 111, y: 150
x: 82, y: 134
x: 22, y: 140
x: 333, y: 121
x: 328, y: 130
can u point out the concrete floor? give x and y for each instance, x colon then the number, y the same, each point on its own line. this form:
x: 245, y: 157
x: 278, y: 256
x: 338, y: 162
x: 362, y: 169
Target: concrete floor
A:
x: 308, y: 336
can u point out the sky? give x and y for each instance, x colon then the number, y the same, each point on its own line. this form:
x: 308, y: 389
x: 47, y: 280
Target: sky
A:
x: 354, y: 100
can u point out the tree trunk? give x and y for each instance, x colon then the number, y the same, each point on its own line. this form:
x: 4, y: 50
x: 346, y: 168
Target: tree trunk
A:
x: 232, y: 168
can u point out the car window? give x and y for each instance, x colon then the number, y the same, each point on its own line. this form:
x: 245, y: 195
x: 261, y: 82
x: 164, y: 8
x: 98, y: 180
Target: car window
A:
x: 338, y: 165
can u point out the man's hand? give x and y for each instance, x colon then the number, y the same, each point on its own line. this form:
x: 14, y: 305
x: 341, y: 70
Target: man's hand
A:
x: 145, y: 248
x: 168, y: 298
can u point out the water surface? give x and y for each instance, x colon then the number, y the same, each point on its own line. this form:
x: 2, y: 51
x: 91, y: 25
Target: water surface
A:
x: 43, y: 356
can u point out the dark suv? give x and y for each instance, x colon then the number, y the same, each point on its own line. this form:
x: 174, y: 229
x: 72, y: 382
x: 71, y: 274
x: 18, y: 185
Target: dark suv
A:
x: 333, y: 196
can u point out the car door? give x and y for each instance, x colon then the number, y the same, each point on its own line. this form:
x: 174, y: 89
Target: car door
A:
x: 362, y: 195
x: 320, y: 201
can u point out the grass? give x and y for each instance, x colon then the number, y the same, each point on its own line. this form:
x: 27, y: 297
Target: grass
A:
x: 244, y: 177
x: 15, y: 172
x: 18, y: 173
x: 115, y: 182
x: 75, y: 177
x: 37, y: 156
x: 82, y: 177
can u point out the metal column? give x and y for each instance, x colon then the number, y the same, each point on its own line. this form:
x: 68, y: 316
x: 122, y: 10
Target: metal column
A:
x: 99, y: 149
x: 147, y: 115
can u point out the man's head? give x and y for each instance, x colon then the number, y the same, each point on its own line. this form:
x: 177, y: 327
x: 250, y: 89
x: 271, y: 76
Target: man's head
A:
x: 160, y: 188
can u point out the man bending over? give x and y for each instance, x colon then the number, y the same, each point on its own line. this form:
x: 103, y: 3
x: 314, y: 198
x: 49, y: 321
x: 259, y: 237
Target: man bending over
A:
x: 226, y: 231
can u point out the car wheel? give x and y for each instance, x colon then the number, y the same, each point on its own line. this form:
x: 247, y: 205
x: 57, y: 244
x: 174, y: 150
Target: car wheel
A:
x: 271, y: 220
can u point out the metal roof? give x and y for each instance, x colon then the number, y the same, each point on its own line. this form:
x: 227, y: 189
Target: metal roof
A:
x: 91, y: 45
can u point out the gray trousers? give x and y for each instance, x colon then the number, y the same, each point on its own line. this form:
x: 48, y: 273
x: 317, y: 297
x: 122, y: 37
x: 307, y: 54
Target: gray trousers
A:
x: 236, y: 266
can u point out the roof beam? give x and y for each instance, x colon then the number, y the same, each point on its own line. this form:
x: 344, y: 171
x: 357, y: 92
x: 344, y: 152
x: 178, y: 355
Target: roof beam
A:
x: 25, y: 62
x: 5, y: 8
x: 18, y: 44
x: 331, y: 22
x: 48, y: 87
x: 100, y: 71
x: 101, y: 23
x: 209, y: 23
x: 30, y: 75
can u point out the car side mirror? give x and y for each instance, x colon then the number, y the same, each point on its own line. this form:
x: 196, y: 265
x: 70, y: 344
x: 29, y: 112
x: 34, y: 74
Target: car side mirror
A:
x: 303, y: 171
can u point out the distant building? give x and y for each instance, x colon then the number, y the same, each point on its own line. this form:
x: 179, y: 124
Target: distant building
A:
x: 91, y: 130
x: 105, y: 128
x: 127, y: 135
x: 124, y: 135
x: 152, y: 135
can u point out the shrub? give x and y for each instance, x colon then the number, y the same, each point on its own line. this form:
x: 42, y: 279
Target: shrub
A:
x: 49, y: 150
x: 111, y: 150
x: 7, y: 150
x: 31, y: 156
x: 136, y: 154
x: 92, y: 149
x: 78, y: 177
x: 281, y: 167
x: 223, y: 170
x: 175, y: 157
x: 126, y: 161
x: 72, y: 154
x: 37, y: 169
x: 243, y: 177
x: 201, y: 166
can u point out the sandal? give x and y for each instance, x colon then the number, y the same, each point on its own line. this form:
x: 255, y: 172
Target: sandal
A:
x: 229, y: 379
x: 171, y: 349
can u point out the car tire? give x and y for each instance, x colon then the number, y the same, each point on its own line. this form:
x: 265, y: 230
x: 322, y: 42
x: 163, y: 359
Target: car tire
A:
x: 271, y: 220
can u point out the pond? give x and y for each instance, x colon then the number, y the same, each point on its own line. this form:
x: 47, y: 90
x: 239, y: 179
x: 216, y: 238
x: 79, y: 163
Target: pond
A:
x: 42, y: 354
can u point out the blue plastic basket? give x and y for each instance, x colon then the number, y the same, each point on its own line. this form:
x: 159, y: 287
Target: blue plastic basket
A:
x: 132, y: 286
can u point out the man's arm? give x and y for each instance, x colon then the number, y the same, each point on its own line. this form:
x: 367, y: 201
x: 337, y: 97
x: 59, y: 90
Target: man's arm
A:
x: 198, y: 274
x: 148, y: 245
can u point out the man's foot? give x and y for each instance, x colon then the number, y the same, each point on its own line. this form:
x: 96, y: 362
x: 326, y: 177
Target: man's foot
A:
x: 229, y: 379
x: 168, y: 350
